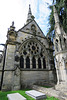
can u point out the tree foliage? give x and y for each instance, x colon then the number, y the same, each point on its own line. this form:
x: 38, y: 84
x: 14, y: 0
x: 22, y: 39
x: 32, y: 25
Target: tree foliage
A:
x: 61, y: 6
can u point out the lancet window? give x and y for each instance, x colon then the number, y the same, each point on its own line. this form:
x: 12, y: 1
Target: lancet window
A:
x: 33, y: 62
x: 44, y: 63
x: 21, y: 62
x: 39, y: 63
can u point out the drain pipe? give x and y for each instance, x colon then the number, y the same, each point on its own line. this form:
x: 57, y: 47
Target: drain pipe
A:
x: 5, y: 45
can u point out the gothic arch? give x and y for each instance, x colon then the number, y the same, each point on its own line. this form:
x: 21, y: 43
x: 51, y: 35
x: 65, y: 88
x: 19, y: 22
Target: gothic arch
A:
x: 33, y: 49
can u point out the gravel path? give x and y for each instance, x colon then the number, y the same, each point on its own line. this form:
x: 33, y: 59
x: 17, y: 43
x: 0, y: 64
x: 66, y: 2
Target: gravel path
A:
x: 51, y: 92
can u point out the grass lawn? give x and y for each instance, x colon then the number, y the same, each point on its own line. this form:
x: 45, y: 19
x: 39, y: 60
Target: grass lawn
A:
x: 3, y: 95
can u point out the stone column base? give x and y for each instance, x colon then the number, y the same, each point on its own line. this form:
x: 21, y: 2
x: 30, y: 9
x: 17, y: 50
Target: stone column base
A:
x: 61, y: 87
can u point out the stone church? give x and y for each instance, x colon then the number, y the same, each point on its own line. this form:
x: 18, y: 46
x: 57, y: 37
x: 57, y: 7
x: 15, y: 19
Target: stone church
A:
x: 28, y: 56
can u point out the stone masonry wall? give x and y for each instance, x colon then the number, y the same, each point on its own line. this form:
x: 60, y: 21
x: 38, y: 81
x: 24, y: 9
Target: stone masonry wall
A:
x: 9, y: 66
x: 29, y: 78
x: 7, y: 81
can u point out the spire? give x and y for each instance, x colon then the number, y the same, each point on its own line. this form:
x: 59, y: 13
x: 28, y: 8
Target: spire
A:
x: 30, y: 16
x: 30, y: 10
x: 56, y: 17
x: 57, y: 22
x: 58, y: 26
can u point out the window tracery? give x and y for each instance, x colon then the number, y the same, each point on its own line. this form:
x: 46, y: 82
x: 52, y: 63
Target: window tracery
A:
x: 21, y: 62
x: 34, y: 51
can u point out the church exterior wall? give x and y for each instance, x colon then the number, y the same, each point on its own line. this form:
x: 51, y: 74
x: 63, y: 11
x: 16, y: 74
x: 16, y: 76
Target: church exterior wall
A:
x: 29, y: 57
x: 29, y: 78
x: 8, y: 81
x: 25, y: 79
x: 10, y: 53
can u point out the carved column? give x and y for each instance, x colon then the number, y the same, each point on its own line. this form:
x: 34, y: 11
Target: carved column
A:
x: 30, y: 62
x: 57, y: 71
x: 24, y: 62
x: 64, y: 70
x: 46, y: 63
x: 42, y: 63
x: 49, y: 63
x: 36, y: 63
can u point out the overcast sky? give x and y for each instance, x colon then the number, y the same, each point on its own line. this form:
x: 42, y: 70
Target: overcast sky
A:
x: 17, y: 10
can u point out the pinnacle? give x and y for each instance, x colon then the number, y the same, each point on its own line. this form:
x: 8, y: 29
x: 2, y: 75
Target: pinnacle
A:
x: 30, y: 16
x: 29, y: 9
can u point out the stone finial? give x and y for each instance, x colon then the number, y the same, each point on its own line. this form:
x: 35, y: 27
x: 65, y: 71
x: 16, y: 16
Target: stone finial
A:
x: 29, y: 10
x: 30, y: 16
x: 13, y: 24
x: 11, y: 34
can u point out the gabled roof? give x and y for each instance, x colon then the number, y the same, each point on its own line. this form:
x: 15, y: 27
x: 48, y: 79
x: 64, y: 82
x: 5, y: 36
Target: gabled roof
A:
x: 28, y: 24
x: 30, y: 19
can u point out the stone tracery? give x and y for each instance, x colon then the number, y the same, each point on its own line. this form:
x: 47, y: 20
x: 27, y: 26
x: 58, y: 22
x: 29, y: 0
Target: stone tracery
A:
x: 33, y: 56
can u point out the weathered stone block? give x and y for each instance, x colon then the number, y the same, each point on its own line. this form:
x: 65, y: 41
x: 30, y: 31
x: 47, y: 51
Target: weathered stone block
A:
x: 15, y: 96
x: 36, y: 95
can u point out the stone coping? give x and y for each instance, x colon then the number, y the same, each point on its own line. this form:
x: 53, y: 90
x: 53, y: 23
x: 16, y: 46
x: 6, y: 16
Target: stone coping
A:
x: 28, y: 69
